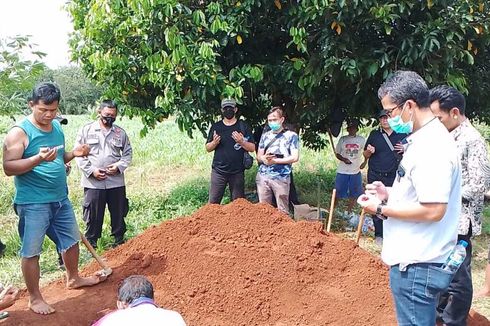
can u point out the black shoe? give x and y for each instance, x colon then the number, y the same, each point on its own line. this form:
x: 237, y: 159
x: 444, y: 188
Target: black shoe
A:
x: 2, y: 248
x: 118, y: 241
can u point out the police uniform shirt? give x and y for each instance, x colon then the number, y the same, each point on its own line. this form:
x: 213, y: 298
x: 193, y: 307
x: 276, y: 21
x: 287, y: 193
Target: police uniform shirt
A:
x: 106, y: 148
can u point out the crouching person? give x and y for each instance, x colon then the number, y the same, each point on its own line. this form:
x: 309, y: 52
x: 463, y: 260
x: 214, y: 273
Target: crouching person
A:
x: 136, y: 306
x: 278, y: 150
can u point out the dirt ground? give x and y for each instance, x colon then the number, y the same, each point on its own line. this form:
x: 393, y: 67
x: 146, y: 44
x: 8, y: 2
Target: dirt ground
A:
x: 239, y: 264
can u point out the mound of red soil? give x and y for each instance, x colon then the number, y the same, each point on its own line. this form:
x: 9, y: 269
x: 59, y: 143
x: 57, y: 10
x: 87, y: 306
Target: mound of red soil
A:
x: 239, y: 264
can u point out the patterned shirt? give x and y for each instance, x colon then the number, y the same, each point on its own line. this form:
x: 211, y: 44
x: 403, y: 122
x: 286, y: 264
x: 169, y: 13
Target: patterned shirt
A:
x: 286, y: 142
x: 474, y: 166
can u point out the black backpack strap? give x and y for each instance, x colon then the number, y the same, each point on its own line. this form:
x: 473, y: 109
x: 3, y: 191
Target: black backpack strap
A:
x: 241, y: 125
x: 273, y: 141
x: 387, y: 140
x: 243, y: 130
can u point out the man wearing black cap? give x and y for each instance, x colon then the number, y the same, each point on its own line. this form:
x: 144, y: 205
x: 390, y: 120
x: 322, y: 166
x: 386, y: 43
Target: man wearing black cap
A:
x: 229, y: 139
x: 383, y: 149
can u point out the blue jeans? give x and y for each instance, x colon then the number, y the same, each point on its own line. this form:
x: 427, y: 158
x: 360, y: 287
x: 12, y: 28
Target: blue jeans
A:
x: 56, y: 219
x: 416, y: 292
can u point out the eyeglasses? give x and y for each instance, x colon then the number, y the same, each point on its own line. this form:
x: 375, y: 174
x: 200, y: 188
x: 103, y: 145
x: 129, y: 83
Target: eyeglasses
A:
x: 390, y: 111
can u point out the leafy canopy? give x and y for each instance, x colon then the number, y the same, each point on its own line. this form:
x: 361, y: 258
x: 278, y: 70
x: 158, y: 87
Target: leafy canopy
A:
x: 317, y: 57
x: 17, y: 74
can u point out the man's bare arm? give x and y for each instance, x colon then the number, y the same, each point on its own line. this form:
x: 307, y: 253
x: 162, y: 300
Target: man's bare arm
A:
x: 13, y: 149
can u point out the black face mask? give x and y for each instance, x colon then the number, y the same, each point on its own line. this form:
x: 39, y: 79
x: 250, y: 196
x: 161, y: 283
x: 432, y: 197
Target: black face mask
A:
x: 108, y: 121
x: 229, y: 112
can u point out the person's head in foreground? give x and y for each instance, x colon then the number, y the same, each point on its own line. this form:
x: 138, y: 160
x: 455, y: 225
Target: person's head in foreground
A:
x: 136, y: 306
x: 132, y: 289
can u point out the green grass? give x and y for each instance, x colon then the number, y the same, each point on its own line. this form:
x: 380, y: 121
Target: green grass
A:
x: 169, y: 177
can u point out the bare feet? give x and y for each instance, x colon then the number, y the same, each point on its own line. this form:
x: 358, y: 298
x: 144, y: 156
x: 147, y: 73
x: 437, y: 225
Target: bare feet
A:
x: 86, y: 281
x: 483, y: 292
x: 39, y: 306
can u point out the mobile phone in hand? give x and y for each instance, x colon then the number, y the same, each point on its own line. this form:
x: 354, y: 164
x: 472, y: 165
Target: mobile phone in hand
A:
x: 103, y: 171
x: 279, y: 155
x: 57, y: 147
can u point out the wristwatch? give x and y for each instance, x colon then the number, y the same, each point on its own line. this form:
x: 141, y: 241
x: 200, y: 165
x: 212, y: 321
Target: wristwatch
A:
x: 379, y: 211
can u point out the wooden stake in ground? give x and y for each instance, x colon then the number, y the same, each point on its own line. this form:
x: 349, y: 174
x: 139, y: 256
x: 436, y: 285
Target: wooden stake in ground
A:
x: 106, y: 269
x: 359, y: 226
x: 330, y: 215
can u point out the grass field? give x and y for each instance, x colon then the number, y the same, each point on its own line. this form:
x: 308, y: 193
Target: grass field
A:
x: 169, y: 178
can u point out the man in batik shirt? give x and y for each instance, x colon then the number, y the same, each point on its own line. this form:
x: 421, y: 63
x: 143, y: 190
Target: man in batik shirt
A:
x: 448, y: 104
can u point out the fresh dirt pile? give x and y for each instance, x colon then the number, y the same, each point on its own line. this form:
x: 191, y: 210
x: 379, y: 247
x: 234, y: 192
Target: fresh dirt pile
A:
x: 239, y: 264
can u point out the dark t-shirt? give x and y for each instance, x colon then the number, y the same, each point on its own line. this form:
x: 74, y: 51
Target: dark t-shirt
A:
x: 383, y: 160
x: 228, y: 155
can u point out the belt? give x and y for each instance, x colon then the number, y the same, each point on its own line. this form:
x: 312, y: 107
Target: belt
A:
x: 384, y: 174
x: 403, y: 267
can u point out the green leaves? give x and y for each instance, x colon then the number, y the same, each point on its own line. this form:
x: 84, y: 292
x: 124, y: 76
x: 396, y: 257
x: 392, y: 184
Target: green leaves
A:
x: 198, y: 18
x: 206, y: 51
x: 162, y: 57
x: 17, y: 75
x: 299, y: 38
x: 372, y: 69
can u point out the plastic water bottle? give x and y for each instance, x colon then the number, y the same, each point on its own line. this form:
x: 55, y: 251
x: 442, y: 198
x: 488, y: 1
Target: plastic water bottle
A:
x: 456, y: 257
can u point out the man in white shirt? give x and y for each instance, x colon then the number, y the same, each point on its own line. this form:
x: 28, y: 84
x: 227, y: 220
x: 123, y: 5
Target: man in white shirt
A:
x: 423, y: 206
x: 136, y: 306
x: 349, y: 149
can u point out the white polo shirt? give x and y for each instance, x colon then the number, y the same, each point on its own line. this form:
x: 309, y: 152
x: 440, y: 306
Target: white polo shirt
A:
x: 429, y: 172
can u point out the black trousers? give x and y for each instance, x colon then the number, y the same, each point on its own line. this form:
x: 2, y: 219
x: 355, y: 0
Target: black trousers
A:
x: 94, y: 203
x: 455, y: 303
x: 219, y: 181
x: 387, y: 179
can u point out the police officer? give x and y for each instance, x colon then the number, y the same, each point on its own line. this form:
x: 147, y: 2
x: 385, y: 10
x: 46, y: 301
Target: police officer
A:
x: 103, y: 173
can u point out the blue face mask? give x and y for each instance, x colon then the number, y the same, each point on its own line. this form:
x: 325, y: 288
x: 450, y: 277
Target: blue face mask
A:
x: 400, y: 127
x: 275, y: 126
